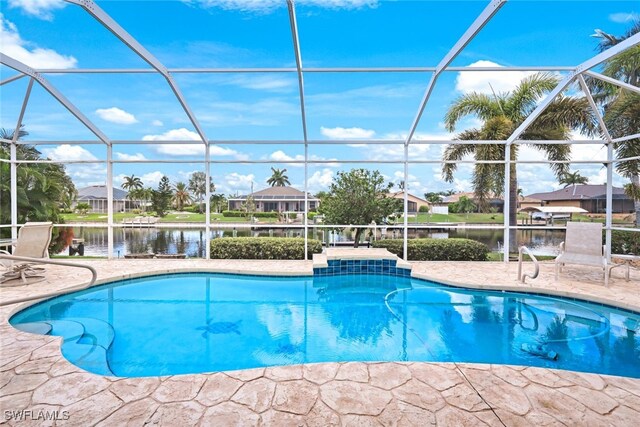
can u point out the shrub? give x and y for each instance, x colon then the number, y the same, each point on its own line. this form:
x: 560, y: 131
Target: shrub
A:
x: 240, y: 214
x: 262, y: 248
x: 312, y: 215
x: 423, y: 209
x: 437, y: 249
x: 625, y: 242
x: 82, y: 208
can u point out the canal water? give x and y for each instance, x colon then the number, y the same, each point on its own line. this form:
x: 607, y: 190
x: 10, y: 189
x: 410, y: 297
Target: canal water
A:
x: 192, y: 241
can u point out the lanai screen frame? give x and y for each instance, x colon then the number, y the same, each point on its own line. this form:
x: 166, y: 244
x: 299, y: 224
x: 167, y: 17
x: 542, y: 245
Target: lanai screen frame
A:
x: 575, y: 74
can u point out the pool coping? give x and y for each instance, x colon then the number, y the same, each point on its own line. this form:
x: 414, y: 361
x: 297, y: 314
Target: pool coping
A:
x: 524, y: 288
x: 543, y: 387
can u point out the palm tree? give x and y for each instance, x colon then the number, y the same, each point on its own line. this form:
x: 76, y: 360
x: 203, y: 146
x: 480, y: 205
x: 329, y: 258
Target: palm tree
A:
x: 181, y: 195
x: 572, y: 178
x: 198, y: 187
x: 133, y: 185
x: 622, y: 107
x: 501, y: 114
x: 465, y: 205
x: 278, y: 178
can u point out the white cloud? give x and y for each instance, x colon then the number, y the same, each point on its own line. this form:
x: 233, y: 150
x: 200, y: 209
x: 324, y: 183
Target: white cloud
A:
x: 347, y: 133
x: 39, y: 8
x: 235, y: 181
x: 484, y: 81
x: 125, y: 156
x: 623, y: 17
x: 282, y: 157
x: 268, y: 6
x: 396, y: 151
x: 320, y: 180
x: 116, y: 115
x: 183, y: 134
x: 157, y: 123
x: 68, y: 152
x: 21, y: 50
x: 81, y: 174
x: 152, y: 179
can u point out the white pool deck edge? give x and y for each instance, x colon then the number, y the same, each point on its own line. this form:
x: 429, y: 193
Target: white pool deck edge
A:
x: 35, y: 376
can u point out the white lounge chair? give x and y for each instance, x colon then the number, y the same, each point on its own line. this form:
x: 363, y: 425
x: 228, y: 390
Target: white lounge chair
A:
x: 583, y: 246
x: 33, y: 242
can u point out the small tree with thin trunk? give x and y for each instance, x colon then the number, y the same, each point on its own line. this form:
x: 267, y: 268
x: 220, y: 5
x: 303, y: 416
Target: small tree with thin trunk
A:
x: 358, y: 197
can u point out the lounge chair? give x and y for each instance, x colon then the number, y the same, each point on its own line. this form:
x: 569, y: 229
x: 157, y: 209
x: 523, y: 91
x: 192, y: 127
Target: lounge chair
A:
x: 33, y: 242
x: 583, y: 246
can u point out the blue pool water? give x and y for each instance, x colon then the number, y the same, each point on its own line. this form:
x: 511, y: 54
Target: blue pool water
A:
x: 201, y: 322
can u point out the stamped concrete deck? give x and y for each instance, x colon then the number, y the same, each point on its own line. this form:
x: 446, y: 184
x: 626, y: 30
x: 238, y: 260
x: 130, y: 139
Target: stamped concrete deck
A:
x: 35, y: 377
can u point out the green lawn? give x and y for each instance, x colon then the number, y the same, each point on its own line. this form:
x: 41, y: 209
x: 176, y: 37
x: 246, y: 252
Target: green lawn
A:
x: 181, y: 217
x: 173, y: 217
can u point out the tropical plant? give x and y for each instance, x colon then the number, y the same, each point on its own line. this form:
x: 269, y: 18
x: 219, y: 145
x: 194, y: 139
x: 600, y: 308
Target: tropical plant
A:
x: 83, y: 207
x: 218, y: 202
x: 465, y: 205
x: 248, y: 207
x: 41, y: 190
x: 622, y: 107
x: 278, y: 178
x: 198, y: 187
x: 161, y: 198
x: 572, y: 178
x: 132, y: 183
x: 501, y: 114
x: 358, y: 197
x: 181, y: 196
x: 69, y: 197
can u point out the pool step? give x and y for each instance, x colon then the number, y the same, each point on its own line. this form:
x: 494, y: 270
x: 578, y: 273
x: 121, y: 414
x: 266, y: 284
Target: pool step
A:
x: 86, y: 342
x: 337, y: 261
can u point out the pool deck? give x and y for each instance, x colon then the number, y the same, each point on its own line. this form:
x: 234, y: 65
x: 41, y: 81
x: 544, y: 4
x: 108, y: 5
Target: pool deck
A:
x: 34, y: 376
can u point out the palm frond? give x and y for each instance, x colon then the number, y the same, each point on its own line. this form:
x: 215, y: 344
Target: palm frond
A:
x: 523, y: 99
x: 571, y: 113
x: 474, y: 103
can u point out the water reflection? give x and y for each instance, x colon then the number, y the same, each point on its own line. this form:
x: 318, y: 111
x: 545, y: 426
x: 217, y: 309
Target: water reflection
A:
x: 191, y: 241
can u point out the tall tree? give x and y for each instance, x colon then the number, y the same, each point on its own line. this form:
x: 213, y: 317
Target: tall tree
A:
x: 501, y: 114
x: 465, y: 205
x: 181, y: 195
x: 161, y: 198
x: 358, y: 197
x: 278, y: 178
x: 198, y: 187
x: 218, y: 201
x: 622, y: 107
x: 572, y: 178
x: 42, y: 189
x: 132, y: 183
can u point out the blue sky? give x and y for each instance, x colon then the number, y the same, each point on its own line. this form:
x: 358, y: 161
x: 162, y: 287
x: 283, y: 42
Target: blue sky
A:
x: 252, y: 33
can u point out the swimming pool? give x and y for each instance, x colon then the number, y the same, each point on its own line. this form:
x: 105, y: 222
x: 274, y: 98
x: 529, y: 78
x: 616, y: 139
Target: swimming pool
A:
x: 204, y: 322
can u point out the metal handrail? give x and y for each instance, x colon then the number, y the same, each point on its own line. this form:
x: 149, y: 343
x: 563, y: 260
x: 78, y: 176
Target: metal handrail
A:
x: 521, y: 276
x: 94, y: 275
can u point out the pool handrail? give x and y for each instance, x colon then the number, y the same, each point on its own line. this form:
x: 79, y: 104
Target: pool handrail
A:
x: 521, y: 276
x: 94, y: 276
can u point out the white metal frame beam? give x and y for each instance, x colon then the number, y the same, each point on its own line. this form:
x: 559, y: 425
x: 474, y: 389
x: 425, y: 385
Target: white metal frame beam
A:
x: 582, y: 68
x: 293, y: 22
x: 613, y: 81
x: 24, y: 69
x: 485, y: 16
x: 110, y: 24
x: 12, y: 79
x: 295, y: 70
